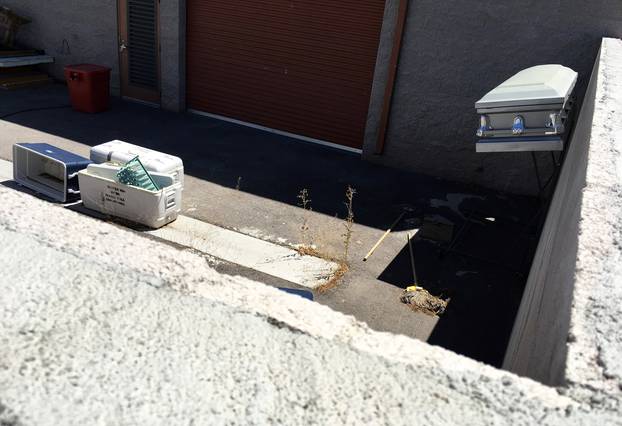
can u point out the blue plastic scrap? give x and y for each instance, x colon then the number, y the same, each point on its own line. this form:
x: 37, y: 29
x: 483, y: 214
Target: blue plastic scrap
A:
x: 305, y: 294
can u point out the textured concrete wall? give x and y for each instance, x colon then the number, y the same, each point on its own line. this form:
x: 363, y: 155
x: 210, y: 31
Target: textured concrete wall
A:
x: 107, y: 335
x: 538, y: 345
x: 567, y: 330
x: 71, y: 31
x: 453, y: 52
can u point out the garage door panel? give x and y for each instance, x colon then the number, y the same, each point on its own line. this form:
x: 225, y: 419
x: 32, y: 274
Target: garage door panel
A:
x: 306, y: 76
x: 304, y: 26
x: 336, y: 99
x: 309, y: 31
x: 323, y: 132
x: 300, y: 43
x: 304, y: 67
x: 276, y: 110
x: 283, y: 65
x: 349, y: 10
x: 307, y: 102
x: 337, y: 110
x: 324, y: 129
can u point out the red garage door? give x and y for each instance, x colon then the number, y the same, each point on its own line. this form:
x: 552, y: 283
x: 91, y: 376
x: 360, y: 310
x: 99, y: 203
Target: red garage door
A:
x: 301, y: 66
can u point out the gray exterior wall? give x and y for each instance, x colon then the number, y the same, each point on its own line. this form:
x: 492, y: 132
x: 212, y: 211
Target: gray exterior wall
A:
x: 453, y: 52
x: 173, y: 54
x: 72, y: 32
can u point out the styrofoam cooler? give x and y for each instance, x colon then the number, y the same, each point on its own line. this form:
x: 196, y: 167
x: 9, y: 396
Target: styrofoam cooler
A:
x: 154, y: 161
x: 101, y: 192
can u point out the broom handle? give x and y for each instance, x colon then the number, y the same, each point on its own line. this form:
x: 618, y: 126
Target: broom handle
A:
x: 373, y: 249
x: 412, y: 256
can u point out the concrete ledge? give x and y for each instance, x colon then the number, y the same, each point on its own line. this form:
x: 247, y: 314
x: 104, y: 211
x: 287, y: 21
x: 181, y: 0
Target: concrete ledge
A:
x: 568, y: 328
x: 123, y: 321
x: 250, y: 252
x: 131, y: 330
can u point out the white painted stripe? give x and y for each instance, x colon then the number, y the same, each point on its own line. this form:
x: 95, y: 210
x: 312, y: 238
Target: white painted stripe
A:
x: 6, y: 170
x: 140, y: 101
x: 277, y: 132
x: 247, y: 251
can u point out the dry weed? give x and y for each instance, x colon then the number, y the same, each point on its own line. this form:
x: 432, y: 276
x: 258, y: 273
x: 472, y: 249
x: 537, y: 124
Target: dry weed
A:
x: 305, y: 203
x: 334, y: 280
x: 349, y: 221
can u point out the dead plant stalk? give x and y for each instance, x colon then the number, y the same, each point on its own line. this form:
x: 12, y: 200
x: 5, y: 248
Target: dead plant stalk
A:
x: 305, y: 203
x: 349, y: 222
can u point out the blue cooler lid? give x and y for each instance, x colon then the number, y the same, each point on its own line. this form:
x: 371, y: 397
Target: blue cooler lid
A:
x: 55, y: 153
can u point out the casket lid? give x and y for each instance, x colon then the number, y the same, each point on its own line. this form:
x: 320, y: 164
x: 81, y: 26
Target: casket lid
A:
x: 542, y: 84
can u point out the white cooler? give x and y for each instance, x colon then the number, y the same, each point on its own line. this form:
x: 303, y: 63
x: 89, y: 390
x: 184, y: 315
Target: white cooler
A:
x: 154, y: 161
x: 101, y: 192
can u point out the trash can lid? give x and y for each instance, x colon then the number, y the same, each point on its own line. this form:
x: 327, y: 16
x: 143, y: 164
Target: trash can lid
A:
x: 87, y: 68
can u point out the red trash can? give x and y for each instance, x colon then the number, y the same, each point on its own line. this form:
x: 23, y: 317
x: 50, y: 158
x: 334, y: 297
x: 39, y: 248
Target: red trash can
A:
x: 89, y: 87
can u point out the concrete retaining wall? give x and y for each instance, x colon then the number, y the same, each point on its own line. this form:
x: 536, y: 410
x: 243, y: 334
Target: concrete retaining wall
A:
x: 567, y: 330
x: 453, y: 52
x: 71, y: 32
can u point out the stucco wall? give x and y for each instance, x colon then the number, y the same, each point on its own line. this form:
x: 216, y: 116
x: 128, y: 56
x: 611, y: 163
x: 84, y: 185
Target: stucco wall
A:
x: 453, y: 52
x: 567, y: 330
x: 173, y: 54
x: 72, y: 32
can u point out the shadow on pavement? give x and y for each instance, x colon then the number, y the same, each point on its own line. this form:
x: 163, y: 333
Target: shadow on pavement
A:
x: 482, y: 270
x: 266, y: 164
x: 484, y: 273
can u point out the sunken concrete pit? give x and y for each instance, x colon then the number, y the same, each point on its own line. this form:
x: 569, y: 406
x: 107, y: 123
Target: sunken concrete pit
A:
x: 125, y: 329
